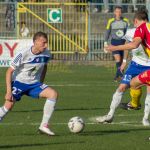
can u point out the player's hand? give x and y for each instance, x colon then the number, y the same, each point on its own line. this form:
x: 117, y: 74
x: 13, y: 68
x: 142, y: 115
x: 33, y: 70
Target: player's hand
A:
x: 9, y: 96
x: 105, y: 45
x: 122, y: 67
x: 110, y: 48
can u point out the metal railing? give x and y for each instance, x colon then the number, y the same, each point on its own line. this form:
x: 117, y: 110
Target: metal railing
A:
x: 79, y: 35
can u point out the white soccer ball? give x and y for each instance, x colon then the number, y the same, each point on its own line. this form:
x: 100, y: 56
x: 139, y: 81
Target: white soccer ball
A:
x: 76, y: 124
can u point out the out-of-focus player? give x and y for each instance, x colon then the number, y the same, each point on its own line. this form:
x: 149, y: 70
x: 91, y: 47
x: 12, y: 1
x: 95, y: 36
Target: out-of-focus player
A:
x: 115, y: 30
x: 141, y: 80
x: 141, y: 36
x: 25, y: 76
x: 139, y: 59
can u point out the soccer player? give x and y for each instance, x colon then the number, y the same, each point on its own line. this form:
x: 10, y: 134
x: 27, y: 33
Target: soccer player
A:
x: 115, y: 30
x: 141, y: 80
x: 25, y: 76
x: 138, y: 56
x: 141, y: 36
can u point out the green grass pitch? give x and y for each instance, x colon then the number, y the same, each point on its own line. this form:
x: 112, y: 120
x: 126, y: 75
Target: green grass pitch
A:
x: 84, y: 91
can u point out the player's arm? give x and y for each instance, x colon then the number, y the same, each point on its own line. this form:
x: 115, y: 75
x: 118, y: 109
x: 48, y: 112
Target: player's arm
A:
x: 124, y: 62
x: 9, y: 73
x: 14, y: 65
x: 128, y: 46
x: 43, y: 73
x: 107, y: 32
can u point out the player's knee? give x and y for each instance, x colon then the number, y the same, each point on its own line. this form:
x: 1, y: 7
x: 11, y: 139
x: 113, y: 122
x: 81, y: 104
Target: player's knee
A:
x: 122, y: 89
x: 53, y: 94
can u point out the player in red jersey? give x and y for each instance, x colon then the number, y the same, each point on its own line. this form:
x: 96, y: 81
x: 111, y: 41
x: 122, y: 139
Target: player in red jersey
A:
x: 141, y: 79
x: 138, y: 81
x: 142, y: 36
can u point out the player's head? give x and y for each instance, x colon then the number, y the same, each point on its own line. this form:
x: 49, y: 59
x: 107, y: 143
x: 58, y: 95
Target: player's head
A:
x: 140, y: 17
x: 118, y: 12
x: 40, y: 40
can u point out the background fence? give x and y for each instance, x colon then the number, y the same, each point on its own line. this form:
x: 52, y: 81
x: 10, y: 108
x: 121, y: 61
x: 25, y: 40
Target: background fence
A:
x: 75, y: 28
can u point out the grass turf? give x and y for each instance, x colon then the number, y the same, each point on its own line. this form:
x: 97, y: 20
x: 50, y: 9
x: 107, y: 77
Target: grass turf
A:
x: 84, y: 91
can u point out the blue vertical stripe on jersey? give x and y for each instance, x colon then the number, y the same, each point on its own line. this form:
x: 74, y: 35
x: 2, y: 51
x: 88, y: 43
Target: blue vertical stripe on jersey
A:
x: 40, y: 59
x: 17, y: 58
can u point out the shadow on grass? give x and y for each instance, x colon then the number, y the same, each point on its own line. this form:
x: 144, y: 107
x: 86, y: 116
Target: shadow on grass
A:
x: 37, y: 145
x: 109, y: 132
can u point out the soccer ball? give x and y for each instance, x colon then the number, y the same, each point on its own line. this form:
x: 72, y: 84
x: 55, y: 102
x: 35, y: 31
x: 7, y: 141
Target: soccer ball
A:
x: 76, y: 124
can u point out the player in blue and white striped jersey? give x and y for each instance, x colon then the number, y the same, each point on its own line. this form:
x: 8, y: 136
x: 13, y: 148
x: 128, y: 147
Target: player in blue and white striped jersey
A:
x: 25, y: 76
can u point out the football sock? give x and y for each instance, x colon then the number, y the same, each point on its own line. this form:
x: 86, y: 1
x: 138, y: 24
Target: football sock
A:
x: 118, y: 72
x: 135, y: 97
x: 115, y: 102
x: 147, y: 106
x: 48, y: 111
x: 3, y: 111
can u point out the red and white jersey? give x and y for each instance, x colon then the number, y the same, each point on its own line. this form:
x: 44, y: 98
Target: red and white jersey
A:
x: 138, y: 55
x: 143, y: 31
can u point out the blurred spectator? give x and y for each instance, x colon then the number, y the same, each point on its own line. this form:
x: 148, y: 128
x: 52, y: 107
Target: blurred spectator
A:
x: 24, y: 31
x: 117, y: 2
x: 134, y: 2
x: 31, y: 1
x: 148, y: 4
x: 10, y: 14
x: 106, y: 6
x: 96, y: 7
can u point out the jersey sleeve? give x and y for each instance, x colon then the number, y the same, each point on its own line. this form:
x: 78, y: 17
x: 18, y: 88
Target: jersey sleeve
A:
x: 48, y: 56
x: 16, y: 62
x: 108, y: 29
x: 127, y: 37
x: 139, y: 32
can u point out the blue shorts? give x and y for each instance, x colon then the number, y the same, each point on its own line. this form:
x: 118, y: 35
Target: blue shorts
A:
x: 116, y: 43
x: 19, y: 89
x: 133, y: 70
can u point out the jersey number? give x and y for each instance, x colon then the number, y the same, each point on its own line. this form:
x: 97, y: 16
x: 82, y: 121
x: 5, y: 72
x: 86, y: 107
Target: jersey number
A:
x: 16, y: 91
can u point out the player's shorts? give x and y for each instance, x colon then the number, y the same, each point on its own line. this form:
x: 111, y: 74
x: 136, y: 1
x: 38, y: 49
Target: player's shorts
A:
x: 116, y: 43
x: 144, y: 77
x: 133, y: 70
x: 19, y: 89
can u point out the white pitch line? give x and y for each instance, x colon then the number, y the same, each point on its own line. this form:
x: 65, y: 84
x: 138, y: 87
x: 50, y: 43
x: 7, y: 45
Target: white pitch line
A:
x: 125, y: 123
x: 83, y: 85
x: 79, y: 85
x: 130, y: 115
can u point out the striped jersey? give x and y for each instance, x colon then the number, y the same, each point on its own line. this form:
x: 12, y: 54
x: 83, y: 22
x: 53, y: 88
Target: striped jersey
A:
x: 143, y: 31
x: 28, y: 66
x: 138, y: 55
x: 116, y: 29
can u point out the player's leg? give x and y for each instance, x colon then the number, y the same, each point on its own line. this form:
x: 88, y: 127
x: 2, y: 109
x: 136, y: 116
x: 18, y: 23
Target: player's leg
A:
x: 134, y: 69
x: 135, y: 98
x: 17, y: 92
x: 118, y: 61
x: 138, y: 81
x: 116, y: 99
x: 134, y: 103
x: 8, y: 105
x: 118, y: 56
x: 51, y: 97
x: 145, y: 120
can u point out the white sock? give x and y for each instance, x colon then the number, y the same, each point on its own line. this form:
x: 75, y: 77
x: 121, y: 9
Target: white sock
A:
x: 3, y: 111
x: 115, y: 102
x: 147, y: 106
x: 48, y: 111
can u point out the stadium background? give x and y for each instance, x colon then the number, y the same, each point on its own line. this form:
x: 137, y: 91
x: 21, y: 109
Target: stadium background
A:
x: 79, y: 35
